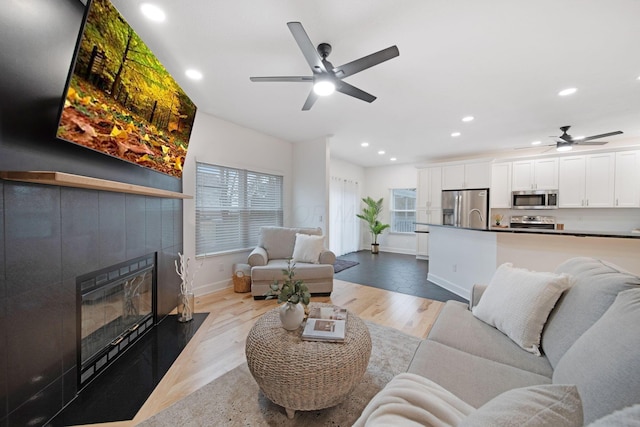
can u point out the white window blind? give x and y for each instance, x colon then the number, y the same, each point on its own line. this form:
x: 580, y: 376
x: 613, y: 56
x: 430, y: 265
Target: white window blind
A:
x: 403, y: 210
x: 232, y: 205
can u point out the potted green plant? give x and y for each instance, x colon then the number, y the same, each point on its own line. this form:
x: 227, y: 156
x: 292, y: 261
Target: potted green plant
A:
x: 370, y: 215
x: 293, y: 295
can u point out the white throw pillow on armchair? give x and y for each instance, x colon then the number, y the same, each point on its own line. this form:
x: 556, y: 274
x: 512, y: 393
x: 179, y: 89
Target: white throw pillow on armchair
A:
x: 518, y: 302
x: 308, y: 248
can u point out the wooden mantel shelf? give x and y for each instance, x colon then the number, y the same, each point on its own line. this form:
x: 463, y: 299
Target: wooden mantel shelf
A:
x: 79, y: 181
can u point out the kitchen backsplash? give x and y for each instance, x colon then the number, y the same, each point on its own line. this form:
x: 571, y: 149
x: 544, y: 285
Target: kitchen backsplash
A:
x: 605, y: 219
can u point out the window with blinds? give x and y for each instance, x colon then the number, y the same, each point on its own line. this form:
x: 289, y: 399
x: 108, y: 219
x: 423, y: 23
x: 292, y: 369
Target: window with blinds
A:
x: 232, y: 205
x: 403, y: 210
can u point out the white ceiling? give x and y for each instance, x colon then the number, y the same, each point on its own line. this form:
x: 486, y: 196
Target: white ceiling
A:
x: 502, y: 61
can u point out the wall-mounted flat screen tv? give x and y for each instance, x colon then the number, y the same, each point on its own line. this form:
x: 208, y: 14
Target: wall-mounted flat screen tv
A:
x: 120, y: 100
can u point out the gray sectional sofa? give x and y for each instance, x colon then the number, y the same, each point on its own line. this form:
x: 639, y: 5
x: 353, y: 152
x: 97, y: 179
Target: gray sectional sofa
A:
x: 276, y: 245
x: 591, y: 340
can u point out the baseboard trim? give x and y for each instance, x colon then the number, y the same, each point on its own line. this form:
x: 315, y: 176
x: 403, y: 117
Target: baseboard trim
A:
x: 450, y: 286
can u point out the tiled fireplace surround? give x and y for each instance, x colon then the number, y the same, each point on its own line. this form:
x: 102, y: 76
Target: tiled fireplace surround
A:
x: 48, y: 236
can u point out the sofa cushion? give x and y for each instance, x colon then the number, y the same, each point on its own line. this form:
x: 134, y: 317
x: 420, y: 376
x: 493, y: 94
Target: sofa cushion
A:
x: 474, y: 379
x: 279, y: 241
x: 307, y: 248
x: 595, y: 286
x: 551, y: 405
x: 458, y: 328
x: 518, y: 302
x: 412, y: 400
x: 302, y: 271
x: 604, y: 362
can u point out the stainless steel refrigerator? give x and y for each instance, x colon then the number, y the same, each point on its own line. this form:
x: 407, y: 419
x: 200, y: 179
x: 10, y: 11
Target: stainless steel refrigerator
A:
x: 466, y: 208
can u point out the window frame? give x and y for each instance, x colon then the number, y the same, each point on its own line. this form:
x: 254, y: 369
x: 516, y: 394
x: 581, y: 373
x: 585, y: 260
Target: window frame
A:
x: 393, y: 211
x: 237, y: 203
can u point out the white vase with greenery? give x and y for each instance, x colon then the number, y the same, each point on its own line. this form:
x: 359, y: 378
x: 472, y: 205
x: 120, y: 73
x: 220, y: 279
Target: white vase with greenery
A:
x: 294, y: 297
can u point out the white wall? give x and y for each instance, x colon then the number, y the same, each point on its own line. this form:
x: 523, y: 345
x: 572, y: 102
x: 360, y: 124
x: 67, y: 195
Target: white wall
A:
x: 460, y: 258
x: 378, y: 183
x: 219, y: 142
x: 311, y: 185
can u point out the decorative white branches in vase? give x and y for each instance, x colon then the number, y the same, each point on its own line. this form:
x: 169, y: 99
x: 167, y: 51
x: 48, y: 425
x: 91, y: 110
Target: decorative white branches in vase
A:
x: 185, y: 298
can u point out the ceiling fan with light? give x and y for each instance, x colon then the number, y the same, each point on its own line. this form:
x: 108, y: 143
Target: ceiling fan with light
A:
x: 567, y: 142
x: 326, y: 78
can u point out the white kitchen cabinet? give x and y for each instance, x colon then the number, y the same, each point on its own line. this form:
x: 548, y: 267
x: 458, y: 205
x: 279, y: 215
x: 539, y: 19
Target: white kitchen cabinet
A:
x: 500, y: 190
x: 586, y: 181
x: 469, y: 175
x: 430, y: 188
x: 422, y: 239
x: 453, y: 177
x: 540, y: 174
x: 627, y: 179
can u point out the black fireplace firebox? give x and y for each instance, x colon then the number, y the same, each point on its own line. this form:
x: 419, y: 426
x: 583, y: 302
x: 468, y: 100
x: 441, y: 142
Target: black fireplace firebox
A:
x: 115, y: 307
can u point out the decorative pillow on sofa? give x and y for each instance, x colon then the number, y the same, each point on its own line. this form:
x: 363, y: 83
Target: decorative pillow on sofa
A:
x: 308, y: 248
x: 518, y: 301
x: 552, y: 405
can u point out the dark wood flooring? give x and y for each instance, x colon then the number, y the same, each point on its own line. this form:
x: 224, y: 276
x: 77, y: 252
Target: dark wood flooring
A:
x: 394, y: 272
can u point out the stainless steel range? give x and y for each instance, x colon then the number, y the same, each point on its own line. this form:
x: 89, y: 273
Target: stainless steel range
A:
x: 533, y: 221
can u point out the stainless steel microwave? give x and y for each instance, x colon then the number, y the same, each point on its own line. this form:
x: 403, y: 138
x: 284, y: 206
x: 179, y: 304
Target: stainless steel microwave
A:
x: 534, y: 199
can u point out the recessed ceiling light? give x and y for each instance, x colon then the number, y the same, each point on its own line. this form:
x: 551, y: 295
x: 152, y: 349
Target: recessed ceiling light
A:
x: 193, y: 74
x: 468, y: 119
x: 393, y: 159
x: 455, y: 134
x: 568, y: 91
x: 536, y: 143
x: 381, y: 152
x: 364, y: 144
x: 152, y: 12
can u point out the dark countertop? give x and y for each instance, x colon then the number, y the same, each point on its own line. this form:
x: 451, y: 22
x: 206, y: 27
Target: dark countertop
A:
x: 578, y: 233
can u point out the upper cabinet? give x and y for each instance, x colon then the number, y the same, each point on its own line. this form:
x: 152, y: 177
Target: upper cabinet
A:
x: 500, y: 193
x: 470, y: 175
x: 430, y: 188
x: 587, y: 181
x: 540, y: 174
x: 627, y: 179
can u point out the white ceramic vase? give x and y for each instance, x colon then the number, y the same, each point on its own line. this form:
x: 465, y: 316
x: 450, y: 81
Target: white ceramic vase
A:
x: 291, y: 316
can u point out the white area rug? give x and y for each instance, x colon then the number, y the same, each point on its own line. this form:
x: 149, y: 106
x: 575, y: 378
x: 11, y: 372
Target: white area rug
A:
x: 235, y: 399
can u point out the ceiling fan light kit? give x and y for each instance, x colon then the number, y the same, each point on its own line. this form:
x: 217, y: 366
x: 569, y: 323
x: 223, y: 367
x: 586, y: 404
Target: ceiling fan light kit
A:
x: 327, y: 78
x: 324, y: 87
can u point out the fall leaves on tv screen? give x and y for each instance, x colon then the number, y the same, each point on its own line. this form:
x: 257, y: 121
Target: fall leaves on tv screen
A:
x: 121, y: 100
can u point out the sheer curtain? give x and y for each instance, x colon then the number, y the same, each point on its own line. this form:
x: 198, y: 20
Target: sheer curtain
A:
x: 344, y: 226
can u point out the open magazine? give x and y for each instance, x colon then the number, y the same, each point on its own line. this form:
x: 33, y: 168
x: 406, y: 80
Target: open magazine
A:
x: 327, y: 324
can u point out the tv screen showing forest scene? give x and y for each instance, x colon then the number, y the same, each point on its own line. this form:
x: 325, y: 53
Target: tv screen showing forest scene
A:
x: 120, y: 100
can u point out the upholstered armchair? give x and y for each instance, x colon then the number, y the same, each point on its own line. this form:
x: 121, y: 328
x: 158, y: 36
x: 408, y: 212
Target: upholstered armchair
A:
x: 305, y: 246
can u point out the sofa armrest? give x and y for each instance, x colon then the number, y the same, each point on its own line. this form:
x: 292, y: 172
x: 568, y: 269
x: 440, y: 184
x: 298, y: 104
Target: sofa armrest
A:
x: 476, y: 293
x: 327, y: 257
x: 258, y: 257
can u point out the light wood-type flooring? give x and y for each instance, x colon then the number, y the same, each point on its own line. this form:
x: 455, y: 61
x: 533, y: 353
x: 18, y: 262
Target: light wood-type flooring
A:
x: 218, y: 345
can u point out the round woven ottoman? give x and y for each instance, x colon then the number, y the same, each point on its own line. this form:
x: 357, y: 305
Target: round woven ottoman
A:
x: 306, y: 375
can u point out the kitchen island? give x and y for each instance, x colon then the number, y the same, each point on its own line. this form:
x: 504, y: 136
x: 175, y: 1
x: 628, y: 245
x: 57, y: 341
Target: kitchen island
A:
x: 461, y: 257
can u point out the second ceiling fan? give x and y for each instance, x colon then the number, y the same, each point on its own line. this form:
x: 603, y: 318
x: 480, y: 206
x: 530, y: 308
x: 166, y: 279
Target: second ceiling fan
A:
x: 567, y: 141
x: 326, y: 77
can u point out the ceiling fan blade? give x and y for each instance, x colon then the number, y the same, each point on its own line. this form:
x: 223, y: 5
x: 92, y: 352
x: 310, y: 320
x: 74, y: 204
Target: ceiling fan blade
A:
x: 311, y: 99
x: 302, y: 79
x: 602, y: 135
x: 347, y: 89
x: 308, y: 49
x: 582, y: 142
x: 365, y: 62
